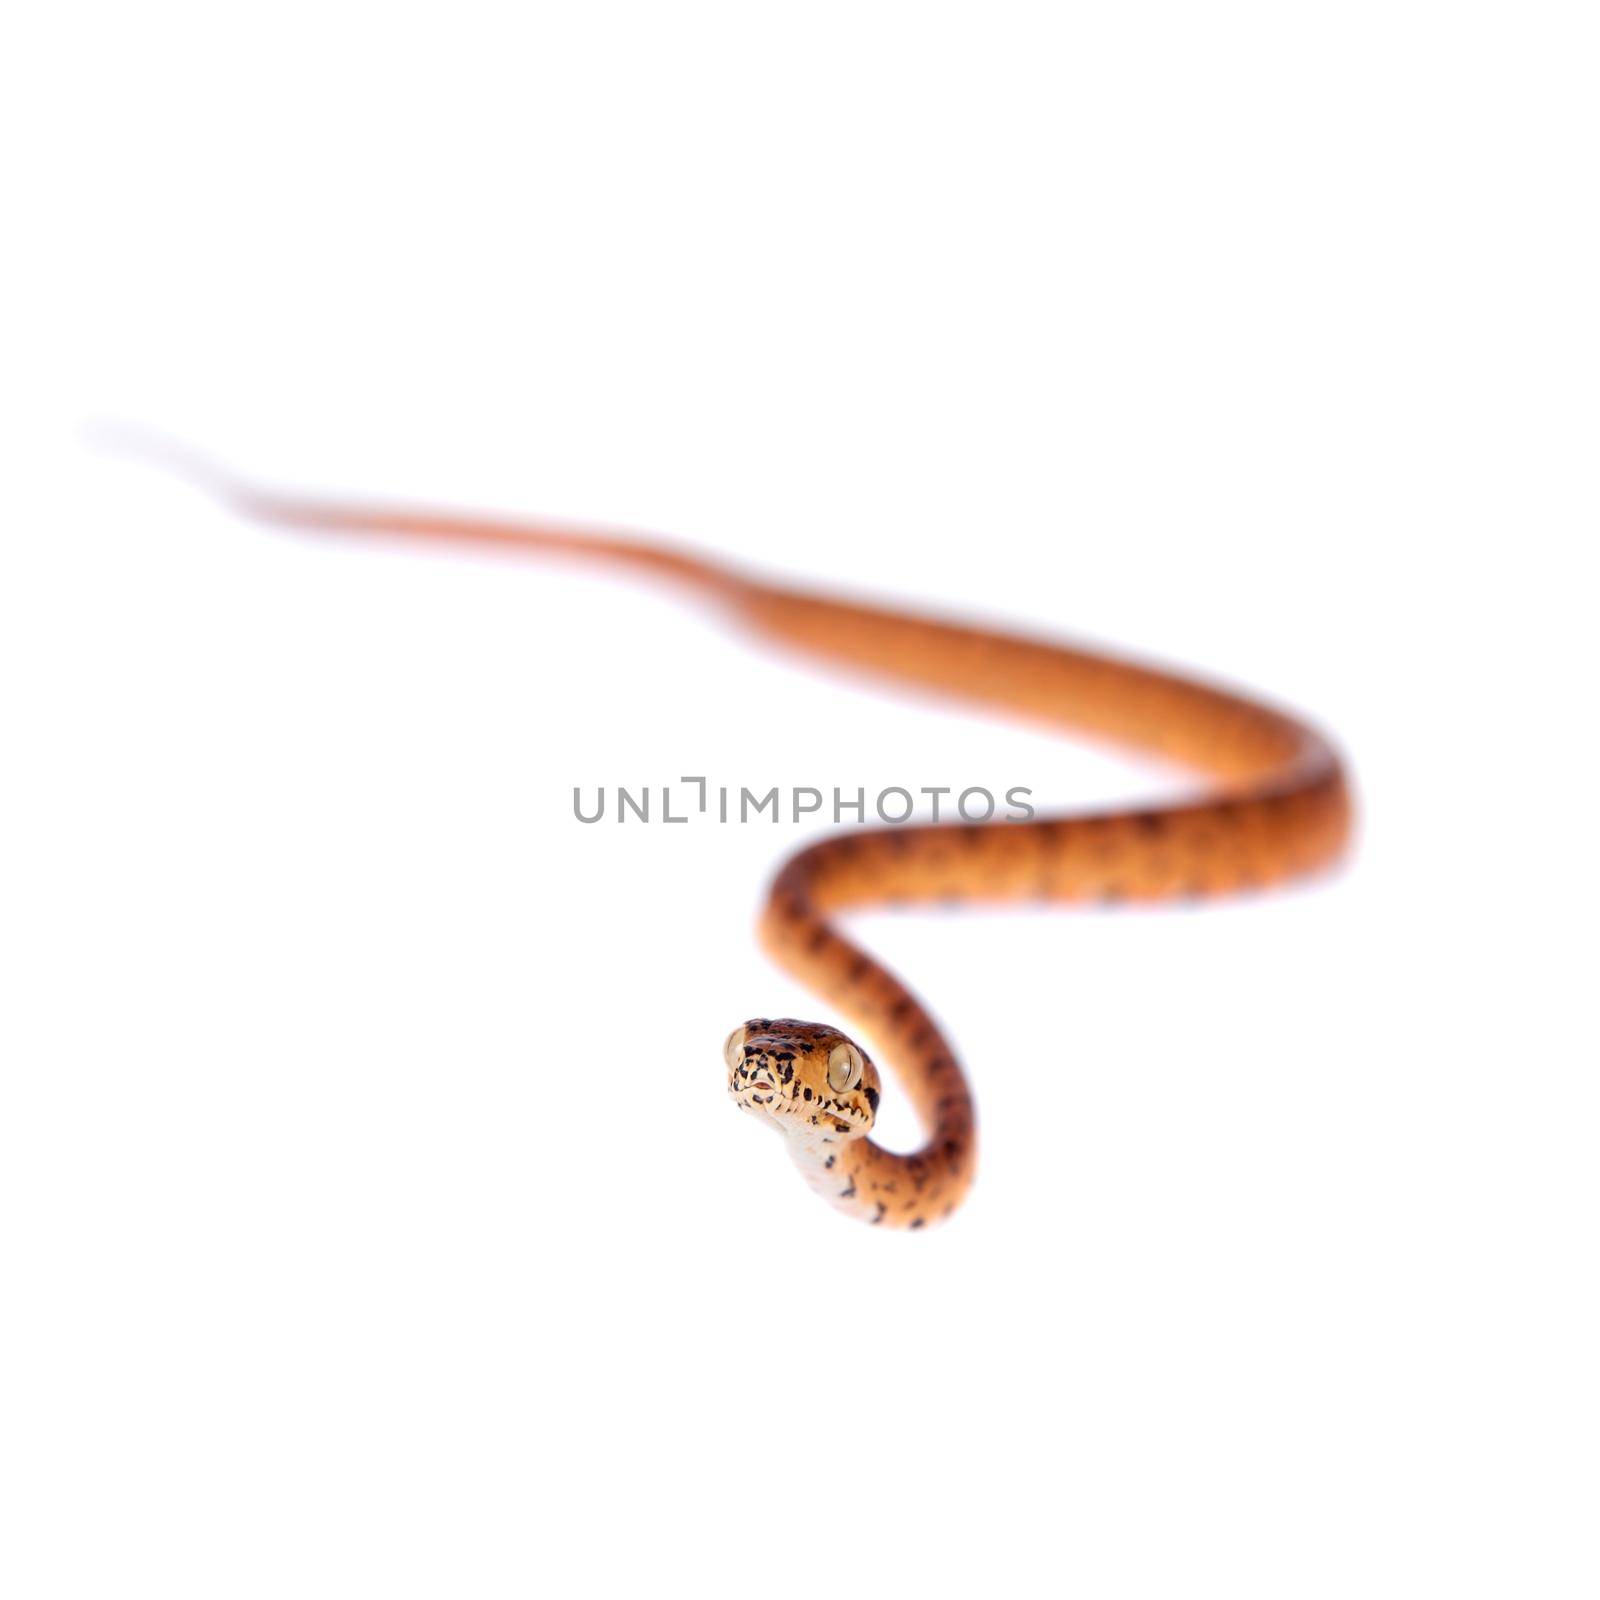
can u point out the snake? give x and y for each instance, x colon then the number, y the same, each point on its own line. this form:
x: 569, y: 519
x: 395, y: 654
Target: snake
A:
x: 1272, y: 803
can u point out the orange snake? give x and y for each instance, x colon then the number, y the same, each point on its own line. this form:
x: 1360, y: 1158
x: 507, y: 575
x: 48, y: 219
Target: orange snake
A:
x: 1278, y: 807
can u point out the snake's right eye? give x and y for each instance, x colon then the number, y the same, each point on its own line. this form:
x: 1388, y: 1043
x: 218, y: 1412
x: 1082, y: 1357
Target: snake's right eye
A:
x: 733, y: 1047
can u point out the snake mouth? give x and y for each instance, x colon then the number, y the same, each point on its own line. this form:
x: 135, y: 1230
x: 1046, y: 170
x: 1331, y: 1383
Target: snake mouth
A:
x: 761, y: 1097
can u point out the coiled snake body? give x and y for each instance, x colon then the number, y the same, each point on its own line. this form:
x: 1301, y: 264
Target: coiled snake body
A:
x: 1277, y: 807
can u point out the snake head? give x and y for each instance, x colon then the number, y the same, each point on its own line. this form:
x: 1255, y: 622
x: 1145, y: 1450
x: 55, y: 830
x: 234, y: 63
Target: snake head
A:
x: 805, y: 1078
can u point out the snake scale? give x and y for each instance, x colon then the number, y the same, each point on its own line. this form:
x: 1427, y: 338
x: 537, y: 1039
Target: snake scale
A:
x: 1276, y: 806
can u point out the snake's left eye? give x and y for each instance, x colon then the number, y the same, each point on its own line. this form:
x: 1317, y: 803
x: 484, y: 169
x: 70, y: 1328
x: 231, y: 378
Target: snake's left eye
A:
x: 845, y: 1066
x: 733, y: 1047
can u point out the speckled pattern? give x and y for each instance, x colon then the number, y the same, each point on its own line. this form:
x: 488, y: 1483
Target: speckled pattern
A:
x: 1274, y: 805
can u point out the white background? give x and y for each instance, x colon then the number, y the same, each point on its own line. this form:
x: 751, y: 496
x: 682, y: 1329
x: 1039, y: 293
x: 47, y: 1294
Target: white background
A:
x: 372, y: 1218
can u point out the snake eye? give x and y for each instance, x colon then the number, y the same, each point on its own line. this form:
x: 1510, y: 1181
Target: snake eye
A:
x: 733, y: 1047
x: 844, y: 1066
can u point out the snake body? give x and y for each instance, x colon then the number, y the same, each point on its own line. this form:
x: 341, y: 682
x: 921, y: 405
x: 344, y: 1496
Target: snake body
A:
x: 1276, y: 806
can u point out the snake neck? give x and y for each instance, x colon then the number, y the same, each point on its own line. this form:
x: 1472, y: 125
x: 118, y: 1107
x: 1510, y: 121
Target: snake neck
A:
x: 883, y: 1187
